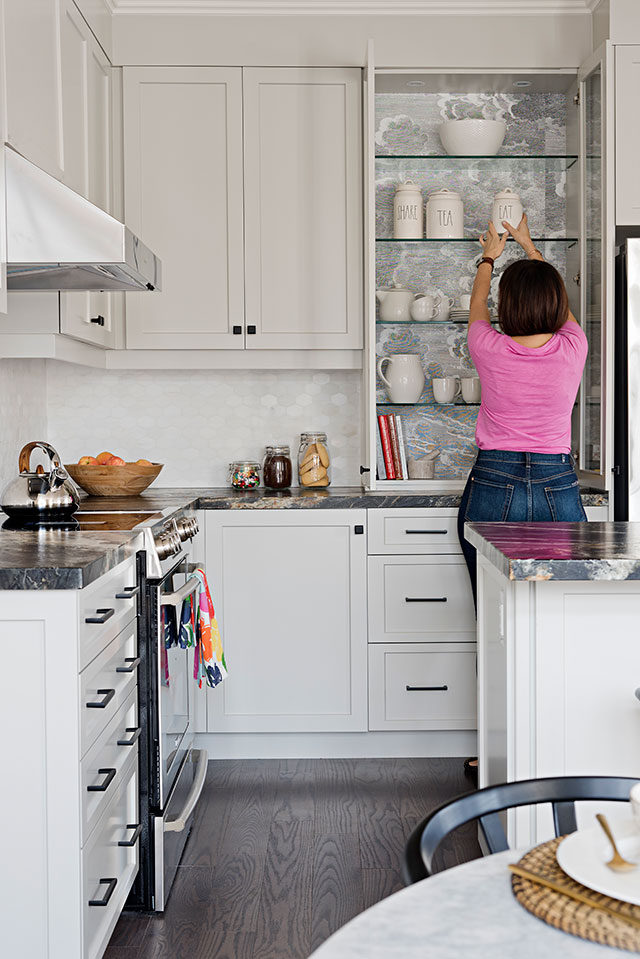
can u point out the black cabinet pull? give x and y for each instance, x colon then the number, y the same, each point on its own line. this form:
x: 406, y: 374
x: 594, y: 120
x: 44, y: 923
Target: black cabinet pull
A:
x: 251, y: 329
x: 237, y: 330
x: 130, y: 742
x: 108, y: 894
x: 102, y: 617
x: 98, y: 320
x: 358, y: 529
x: 137, y: 829
x: 133, y: 664
x: 425, y: 599
x: 364, y: 469
x: 108, y: 696
x: 109, y: 774
x: 426, y: 532
x: 427, y: 689
x: 128, y: 592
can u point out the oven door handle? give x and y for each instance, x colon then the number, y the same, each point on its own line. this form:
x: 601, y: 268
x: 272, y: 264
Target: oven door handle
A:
x: 178, y: 824
x: 177, y: 598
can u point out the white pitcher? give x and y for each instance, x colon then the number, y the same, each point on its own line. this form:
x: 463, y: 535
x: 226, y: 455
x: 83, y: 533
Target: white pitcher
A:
x: 405, y: 382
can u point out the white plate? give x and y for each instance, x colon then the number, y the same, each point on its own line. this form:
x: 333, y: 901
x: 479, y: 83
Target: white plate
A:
x: 583, y: 855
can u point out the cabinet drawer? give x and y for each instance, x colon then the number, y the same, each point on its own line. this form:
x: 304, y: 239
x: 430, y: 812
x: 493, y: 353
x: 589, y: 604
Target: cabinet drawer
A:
x: 104, y: 860
x: 101, y: 769
x: 413, y: 531
x: 422, y: 687
x: 420, y: 599
x: 103, y: 681
x: 99, y: 601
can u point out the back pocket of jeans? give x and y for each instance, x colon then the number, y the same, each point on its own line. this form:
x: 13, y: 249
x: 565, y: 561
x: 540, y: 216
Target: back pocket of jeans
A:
x: 565, y: 503
x: 488, y: 502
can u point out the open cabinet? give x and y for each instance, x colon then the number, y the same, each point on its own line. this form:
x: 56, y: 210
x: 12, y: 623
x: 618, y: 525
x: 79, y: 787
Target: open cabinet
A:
x: 552, y: 156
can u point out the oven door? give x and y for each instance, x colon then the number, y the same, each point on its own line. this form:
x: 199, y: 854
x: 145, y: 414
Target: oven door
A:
x: 173, y: 677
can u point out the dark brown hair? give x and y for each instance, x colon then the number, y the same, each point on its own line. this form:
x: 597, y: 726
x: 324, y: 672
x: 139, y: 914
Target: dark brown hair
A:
x: 531, y: 299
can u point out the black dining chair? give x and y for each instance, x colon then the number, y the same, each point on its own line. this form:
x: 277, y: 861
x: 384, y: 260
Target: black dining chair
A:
x: 485, y: 805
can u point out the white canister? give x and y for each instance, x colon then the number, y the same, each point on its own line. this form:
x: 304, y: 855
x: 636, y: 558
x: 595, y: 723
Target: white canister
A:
x: 445, y: 216
x: 506, y: 206
x: 407, y: 212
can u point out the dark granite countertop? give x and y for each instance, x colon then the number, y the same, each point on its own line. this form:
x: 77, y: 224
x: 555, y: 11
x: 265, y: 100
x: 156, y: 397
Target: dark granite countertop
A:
x: 71, y: 560
x: 560, y: 551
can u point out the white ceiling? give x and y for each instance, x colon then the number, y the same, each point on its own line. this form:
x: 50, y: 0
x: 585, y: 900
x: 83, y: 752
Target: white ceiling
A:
x: 350, y: 7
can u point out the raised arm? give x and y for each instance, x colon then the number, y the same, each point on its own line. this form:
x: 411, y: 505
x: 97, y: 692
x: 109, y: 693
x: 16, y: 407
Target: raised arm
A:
x: 492, y: 246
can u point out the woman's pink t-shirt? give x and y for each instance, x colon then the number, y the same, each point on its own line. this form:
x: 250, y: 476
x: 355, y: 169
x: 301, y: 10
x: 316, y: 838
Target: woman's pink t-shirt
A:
x: 527, y: 394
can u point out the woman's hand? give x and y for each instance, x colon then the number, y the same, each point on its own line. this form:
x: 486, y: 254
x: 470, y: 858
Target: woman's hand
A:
x: 521, y: 234
x: 492, y: 244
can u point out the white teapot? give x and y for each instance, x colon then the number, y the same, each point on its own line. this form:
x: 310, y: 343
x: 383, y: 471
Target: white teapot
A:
x: 395, y: 303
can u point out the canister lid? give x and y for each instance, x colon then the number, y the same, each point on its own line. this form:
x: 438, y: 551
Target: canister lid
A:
x: 444, y: 194
x: 409, y: 185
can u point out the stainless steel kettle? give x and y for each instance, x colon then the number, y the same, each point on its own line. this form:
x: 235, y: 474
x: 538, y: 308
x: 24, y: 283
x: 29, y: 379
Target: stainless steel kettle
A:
x: 40, y: 494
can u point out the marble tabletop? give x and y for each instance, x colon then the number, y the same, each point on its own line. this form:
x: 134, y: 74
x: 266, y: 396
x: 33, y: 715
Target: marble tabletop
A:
x: 559, y: 551
x: 467, y: 910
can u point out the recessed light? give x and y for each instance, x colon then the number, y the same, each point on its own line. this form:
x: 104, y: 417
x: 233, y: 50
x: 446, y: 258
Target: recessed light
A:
x: 415, y: 83
x: 522, y: 83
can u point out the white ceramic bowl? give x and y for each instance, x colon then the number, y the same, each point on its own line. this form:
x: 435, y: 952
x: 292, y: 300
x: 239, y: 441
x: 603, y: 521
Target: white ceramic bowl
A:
x: 472, y: 137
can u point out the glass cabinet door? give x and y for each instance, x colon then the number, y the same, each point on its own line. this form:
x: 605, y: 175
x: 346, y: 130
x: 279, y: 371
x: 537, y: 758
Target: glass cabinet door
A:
x: 595, y: 272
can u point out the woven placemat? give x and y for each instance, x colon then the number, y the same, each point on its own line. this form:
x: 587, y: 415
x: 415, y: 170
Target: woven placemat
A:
x: 568, y: 914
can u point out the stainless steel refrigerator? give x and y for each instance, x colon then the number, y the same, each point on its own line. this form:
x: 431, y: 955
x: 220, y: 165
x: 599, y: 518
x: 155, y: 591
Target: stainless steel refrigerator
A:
x: 626, y: 468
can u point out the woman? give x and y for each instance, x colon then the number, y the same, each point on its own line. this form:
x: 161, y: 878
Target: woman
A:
x: 529, y: 375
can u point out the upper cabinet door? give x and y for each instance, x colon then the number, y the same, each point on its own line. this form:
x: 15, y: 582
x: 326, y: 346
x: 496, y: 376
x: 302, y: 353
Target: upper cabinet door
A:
x: 183, y: 196
x: 627, y: 135
x: 597, y: 232
x: 303, y: 208
x: 32, y: 60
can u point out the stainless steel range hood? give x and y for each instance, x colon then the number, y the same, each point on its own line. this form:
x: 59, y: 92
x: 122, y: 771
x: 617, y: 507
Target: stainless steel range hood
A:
x: 58, y: 240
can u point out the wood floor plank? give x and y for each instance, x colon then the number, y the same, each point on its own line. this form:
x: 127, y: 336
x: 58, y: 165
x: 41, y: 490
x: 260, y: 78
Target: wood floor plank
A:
x: 283, y: 923
x: 295, y: 794
x: 377, y: 884
x: 213, y: 812
x: 130, y: 931
x: 337, y: 805
x: 379, y: 822
x: 337, y: 884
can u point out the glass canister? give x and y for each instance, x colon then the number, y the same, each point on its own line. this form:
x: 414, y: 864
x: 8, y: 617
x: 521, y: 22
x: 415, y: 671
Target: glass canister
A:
x: 314, y: 461
x: 244, y: 474
x: 277, y: 472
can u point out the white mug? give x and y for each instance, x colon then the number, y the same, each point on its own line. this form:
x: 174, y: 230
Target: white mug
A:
x: 465, y: 301
x: 446, y: 302
x: 425, y: 307
x: 445, y: 388
x: 471, y: 389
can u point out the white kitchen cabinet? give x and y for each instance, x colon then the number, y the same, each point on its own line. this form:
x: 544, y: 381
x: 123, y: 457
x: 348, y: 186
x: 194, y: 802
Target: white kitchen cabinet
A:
x: 183, y: 196
x: 627, y: 135
x: 63, y: 839
x: 303, y: 208
x: 32, y: 58
x: 289, y: 587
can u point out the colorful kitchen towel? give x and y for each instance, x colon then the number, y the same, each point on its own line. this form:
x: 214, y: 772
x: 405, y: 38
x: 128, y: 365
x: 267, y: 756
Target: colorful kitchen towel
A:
x: 209, y: 656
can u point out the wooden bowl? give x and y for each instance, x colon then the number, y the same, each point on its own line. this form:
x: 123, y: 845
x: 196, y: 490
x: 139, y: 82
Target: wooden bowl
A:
x: 124, y: 480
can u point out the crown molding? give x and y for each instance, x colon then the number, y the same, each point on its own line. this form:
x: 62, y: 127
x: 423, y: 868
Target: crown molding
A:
x: 245, y: 8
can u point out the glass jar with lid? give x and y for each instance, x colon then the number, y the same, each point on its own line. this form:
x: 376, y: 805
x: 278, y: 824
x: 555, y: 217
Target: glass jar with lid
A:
x: 244, y: 474
x: 314, y: 461
x: 277, y: 471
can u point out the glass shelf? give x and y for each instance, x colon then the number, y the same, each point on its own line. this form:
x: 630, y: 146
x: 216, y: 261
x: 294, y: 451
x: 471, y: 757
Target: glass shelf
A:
x: 570, y: 240
x: 420, y: 403
x: 490, y: 161
x: 426, y: 323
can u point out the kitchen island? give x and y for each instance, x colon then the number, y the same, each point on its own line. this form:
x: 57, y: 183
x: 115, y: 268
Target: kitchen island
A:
x: 558, y: 653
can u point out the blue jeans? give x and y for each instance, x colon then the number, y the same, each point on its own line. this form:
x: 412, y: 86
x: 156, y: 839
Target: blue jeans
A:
x: 505, y: 486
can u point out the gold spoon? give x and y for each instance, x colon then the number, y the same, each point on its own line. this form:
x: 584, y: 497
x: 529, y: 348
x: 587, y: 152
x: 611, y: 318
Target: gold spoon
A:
x: 618, y: 863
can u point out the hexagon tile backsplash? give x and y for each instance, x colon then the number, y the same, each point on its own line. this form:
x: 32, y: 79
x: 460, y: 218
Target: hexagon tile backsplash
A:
x: 197, y: 421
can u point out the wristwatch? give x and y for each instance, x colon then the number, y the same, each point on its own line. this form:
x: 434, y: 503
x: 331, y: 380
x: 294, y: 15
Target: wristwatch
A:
x: 487, y: 259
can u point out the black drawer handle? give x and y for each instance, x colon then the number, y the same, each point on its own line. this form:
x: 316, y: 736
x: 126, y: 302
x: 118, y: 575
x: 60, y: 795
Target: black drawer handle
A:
x: 108, y: 696
x: 137, y: 829
x: 237, y: 330
x: 130, y: 742
x: 251, y: 330
x: 109, y: 774
x: 427, y: 689
x: 105, y: 614
x: 133, y: 664
x: 99, y: 320
x: 425, y: 599
x: 426, y: 532
x: 128, y: 592
x: 108, y: 894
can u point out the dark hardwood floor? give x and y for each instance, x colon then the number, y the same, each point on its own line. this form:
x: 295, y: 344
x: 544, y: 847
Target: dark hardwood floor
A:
x: 284, y: 852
